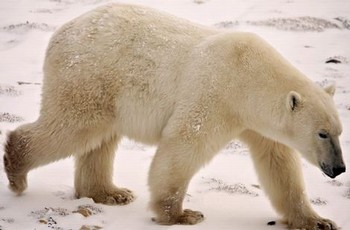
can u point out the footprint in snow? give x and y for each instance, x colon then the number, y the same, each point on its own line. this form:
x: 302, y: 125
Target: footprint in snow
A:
x: 9, y: 90
x: 10, y: 118
x: 347, y: 194
x: 318, y: 201
x: 235, y: 189
x: 22, y: 28
x: 67, y: 194
x: 335, y: 183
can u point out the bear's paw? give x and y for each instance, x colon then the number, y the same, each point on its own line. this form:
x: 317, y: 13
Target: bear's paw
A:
x: 187, y: 217
x: 116, y: 196
x: 190, y: 217
x: 313, y: 223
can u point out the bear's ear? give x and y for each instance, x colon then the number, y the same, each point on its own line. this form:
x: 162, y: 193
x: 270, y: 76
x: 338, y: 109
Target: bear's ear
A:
x: 330, y: 89
x: 293, y: 100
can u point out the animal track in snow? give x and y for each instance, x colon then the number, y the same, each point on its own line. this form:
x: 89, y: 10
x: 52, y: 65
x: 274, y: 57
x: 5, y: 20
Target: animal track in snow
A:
x: 9, y: 90
x: 11, y: 118
x: 221, y: 186
x: 236, y: 147
x: 65, y: 193
x: 347, y: 194
x: 305, y: 23
x: 335, y: 183
x: 50, y: 216
x: 298, y: 24
x: 22, y: 28
x: 318, y: 201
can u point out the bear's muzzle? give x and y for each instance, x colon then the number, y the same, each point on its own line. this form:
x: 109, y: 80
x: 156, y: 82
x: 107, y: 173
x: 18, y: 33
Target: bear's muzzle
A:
x: 332, y: 171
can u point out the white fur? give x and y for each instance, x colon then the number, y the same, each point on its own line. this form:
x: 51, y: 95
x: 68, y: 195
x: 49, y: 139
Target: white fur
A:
x: 124, y: 70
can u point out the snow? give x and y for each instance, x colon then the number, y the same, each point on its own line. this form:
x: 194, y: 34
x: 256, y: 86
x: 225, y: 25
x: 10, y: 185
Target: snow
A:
x: 227, y: 191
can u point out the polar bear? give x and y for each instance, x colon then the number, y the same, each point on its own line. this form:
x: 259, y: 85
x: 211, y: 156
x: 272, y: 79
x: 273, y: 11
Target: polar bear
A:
x: 130, y: 71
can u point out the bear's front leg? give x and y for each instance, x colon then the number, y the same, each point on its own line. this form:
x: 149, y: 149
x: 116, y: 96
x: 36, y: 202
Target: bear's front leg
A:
x: 172, y: 168
x: 279, y: 171
x: 311, y: 221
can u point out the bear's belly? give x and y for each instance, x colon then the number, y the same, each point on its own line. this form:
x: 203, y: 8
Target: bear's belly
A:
x: 143, y: 122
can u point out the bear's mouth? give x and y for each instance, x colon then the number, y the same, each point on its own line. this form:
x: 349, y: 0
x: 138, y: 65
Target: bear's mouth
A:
x: 331, y: 171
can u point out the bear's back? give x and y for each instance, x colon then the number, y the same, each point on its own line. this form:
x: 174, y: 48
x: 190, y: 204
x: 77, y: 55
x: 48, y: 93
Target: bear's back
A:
x: 119, y: 34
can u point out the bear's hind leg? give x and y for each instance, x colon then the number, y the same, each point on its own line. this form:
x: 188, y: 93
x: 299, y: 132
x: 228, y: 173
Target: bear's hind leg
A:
x: 171, y: 170
x: 30, y: 146
x: 15, y: 165
x: 94, y: 175
x: 280, y: 174
x: 36, y: 144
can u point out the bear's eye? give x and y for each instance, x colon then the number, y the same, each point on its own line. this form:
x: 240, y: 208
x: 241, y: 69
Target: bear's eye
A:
x: 323, y: 135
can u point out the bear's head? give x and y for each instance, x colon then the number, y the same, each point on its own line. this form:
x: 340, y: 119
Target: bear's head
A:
x: 313, y: 128
x: 290, y: 108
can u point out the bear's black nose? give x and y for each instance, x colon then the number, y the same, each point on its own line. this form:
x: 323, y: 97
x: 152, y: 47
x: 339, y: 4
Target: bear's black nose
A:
x: 338, y: 170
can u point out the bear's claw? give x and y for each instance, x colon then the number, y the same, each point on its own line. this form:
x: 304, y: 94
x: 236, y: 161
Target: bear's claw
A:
x: 314, y: 224
x: 118, y: 196
x: 188, y: 217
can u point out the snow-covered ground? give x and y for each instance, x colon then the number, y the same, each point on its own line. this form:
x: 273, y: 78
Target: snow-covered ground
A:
x: 308, y: 33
